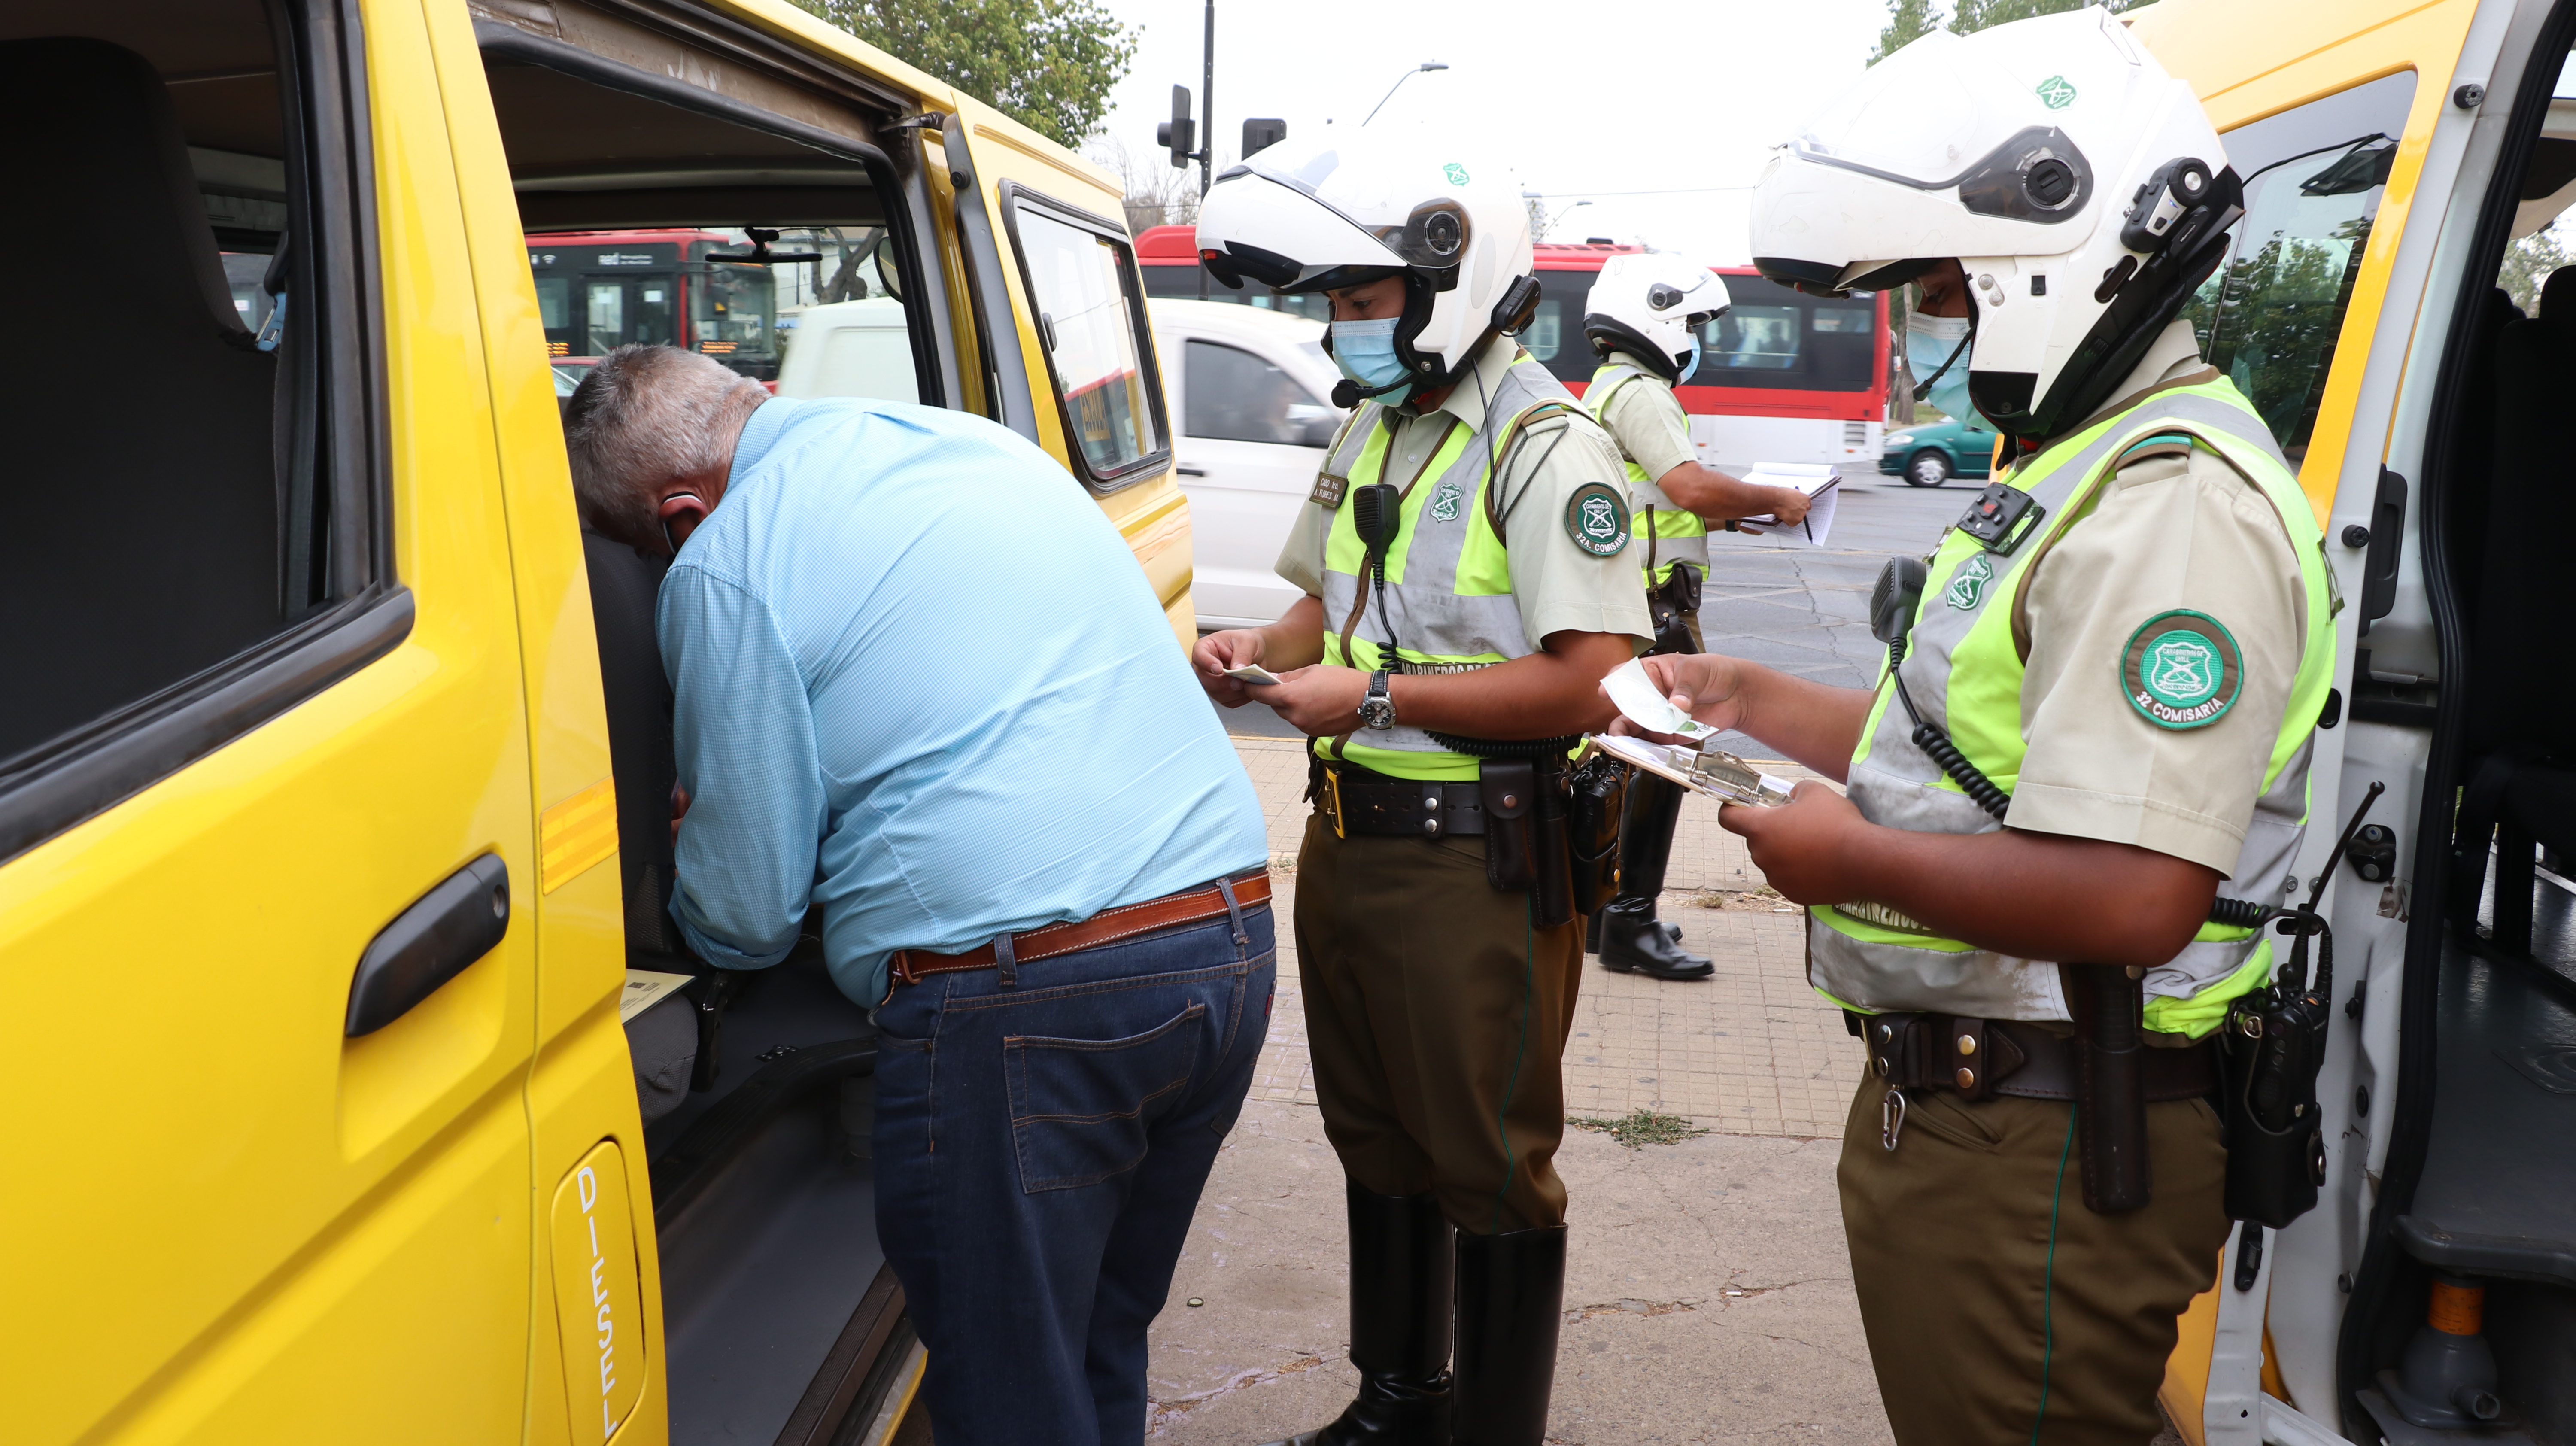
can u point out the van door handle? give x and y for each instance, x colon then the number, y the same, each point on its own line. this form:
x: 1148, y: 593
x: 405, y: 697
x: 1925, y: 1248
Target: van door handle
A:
x: 430, y: 943
x: 1191, y: 471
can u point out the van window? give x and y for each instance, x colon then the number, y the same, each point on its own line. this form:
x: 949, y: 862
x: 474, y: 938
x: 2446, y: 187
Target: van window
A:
x: 2269, y: 316
x: 1081, y: 277
x: 177, y: 511
x: 1230, y: 395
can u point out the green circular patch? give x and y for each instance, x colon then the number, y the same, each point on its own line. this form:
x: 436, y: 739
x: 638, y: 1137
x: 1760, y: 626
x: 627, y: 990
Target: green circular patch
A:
x: 2181, y: 669
x: 1596, y: 517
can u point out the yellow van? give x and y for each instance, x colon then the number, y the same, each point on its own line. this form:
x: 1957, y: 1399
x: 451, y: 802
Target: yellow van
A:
x: 328, y: 751
x: 2390, y: 305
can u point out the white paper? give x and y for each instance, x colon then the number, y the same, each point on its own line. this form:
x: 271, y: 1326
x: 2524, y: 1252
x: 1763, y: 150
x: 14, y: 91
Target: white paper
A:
x: 1719, y: 775
x: 1252, y: 673
x: 644, y: 989
x: 1821, y: 482
x: 1644, y: 704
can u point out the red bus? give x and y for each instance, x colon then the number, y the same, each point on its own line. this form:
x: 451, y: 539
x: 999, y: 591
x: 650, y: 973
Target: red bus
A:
x: 1783, y: 377
x: 600, y: 290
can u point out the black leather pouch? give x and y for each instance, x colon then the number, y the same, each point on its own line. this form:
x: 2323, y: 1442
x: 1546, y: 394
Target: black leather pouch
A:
x: 1510, y: 789
x: 1600, y: 795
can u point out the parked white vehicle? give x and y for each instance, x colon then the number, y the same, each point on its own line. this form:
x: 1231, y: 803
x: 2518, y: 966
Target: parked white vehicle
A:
x: 850, y: 349
x: 1247, y: 387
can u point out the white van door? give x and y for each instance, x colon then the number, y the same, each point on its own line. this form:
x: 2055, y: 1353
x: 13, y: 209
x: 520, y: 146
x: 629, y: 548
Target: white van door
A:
x: 1251, y: 438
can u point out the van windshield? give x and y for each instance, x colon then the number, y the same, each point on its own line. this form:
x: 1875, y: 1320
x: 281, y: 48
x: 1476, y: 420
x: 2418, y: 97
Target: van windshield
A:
x: 679, y: 286
x: 2269, y: 316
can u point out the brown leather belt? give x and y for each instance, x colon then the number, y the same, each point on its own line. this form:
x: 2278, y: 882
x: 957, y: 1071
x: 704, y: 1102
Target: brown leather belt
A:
x: 1977, y: 1058
x: 1126, y: 921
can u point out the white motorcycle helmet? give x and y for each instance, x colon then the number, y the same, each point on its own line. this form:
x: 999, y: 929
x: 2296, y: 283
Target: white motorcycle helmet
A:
x: 1649, y: 304
x: 1355, y: 207
x: 2080, y: 186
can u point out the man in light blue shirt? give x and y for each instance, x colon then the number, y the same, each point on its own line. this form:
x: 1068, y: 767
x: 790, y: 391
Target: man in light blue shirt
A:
x: 923, y: 688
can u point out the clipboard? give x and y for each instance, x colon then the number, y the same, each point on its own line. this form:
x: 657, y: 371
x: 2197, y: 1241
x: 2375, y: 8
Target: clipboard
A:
x: 1716, y: 773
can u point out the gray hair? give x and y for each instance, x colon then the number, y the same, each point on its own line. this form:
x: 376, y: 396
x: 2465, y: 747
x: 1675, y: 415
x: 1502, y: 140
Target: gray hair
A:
x: 645, y: 415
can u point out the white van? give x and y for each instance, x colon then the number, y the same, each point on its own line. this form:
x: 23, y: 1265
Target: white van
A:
x: 1249, y: 388
x: 850, y: 349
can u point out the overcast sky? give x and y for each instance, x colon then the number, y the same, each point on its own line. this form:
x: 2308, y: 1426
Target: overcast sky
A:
x: 1593, y: 99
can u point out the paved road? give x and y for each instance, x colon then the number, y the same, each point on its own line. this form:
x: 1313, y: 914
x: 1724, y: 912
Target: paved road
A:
x: 1804, y: 610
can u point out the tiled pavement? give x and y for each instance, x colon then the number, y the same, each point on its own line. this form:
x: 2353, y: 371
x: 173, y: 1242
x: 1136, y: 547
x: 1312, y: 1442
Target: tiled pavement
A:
x: 1752, y: 1051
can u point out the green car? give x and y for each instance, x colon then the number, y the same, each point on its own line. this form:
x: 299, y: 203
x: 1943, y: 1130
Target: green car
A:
x: 1932, y: 454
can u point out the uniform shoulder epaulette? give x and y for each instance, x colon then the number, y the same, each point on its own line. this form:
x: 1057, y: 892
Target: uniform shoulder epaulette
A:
x: 2162, y: 444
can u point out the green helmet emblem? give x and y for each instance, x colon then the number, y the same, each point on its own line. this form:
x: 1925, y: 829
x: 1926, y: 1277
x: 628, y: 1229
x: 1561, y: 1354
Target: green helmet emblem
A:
x: 2181, y: 669
x: 1456, y: 173
x: 1968, y: 585
x: 2055, y: 93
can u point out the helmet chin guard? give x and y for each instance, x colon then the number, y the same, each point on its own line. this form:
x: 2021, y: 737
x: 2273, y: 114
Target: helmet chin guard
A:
x: 1360, y: 207
x: 2081, y: 189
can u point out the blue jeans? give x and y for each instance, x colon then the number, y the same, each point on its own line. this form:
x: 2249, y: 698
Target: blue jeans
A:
x: 1040, y: 1148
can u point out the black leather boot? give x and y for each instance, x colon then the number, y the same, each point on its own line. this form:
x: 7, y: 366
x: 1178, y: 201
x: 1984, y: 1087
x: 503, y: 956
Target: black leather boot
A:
x: 1631, y: 939
x: 1400, y: 1302
x: 1511, y: 1296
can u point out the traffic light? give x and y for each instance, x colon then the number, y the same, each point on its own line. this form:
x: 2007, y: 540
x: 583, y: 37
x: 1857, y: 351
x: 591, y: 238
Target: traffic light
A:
x: 1179, y: 134
x: 1260, y: 133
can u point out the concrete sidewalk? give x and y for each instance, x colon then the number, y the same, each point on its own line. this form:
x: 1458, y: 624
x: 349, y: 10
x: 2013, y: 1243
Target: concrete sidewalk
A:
x: 1708, y: 1298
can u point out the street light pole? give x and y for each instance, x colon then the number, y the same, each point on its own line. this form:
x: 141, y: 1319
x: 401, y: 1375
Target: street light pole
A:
x: 1390, y: 90
x: 1207, y: 109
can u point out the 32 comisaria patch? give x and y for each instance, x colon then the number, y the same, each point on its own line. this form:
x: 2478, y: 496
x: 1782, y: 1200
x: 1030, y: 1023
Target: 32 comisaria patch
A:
x: 2182, y: 670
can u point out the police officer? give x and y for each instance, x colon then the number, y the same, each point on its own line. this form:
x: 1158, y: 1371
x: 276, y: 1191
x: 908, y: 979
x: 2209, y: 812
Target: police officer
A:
x: 2127, y: 645
x: 1466, y: 610
x: 1644, y: 318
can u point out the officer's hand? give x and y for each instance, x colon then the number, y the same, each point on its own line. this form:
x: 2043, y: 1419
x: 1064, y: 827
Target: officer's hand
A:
x: 1233, y: 648
x: 1320, y: 701
x: 1790, y: 505
x: 1707, y: 686
x: 1799, y: 845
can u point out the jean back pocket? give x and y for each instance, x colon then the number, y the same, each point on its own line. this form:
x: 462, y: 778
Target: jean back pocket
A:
x: 1081, y: 1109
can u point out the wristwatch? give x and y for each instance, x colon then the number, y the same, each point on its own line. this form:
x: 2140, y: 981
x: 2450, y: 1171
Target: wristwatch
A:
x: 1377, y: 710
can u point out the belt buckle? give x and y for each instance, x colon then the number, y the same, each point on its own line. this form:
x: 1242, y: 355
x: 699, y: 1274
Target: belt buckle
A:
x: 1333, y: 791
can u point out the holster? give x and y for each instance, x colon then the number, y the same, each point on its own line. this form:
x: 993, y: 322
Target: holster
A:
x: 2110, y: 1084
x: 1526, y: 847
x: 1669, y: 603
x: 2270, y: 1051
x: 1509, y: 787
x: 1600, y: 791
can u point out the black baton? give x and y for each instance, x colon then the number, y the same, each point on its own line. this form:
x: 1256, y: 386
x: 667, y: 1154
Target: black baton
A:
x: 2107, y: 1001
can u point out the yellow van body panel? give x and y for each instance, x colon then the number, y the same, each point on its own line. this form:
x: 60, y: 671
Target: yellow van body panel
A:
x: 243, y: 1226
x: 581, y: 1095
x: 2249, y: 62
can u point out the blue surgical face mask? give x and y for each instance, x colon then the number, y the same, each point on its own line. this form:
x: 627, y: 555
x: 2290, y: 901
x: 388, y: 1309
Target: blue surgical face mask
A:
x: 1930, y: 341
x: 1365, y: 351
x: 1690, y: 366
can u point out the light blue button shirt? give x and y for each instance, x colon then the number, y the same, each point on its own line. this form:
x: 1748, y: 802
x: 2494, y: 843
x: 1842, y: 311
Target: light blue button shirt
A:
x: 923, y: 684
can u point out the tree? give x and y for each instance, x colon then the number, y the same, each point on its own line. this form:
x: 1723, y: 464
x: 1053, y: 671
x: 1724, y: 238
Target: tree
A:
x: 1157, y: 193
x: 1048, y: 64
x: 1911, y: 20
x: 2527, y: 264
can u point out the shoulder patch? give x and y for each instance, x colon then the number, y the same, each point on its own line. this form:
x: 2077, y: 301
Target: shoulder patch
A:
x: 2181, y: 669
x: 1328, y: 491
x: 1968, y: 585
x: 1596, y: 518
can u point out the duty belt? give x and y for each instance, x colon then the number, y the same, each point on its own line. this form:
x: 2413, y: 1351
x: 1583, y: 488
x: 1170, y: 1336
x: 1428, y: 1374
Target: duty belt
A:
x: 1978, y: 1058
x: 1356, y: 800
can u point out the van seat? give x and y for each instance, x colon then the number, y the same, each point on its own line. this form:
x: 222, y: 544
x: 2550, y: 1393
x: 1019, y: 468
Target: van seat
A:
x: 2521, y: 713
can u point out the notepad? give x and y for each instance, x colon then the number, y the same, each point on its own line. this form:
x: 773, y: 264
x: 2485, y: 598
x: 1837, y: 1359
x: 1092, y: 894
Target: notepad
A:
x: 644, y: 989
x: 1822, y: 482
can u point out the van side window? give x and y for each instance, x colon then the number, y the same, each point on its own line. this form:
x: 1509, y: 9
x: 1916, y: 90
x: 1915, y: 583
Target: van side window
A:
x: 175, y: 507
x: 2269, y: 316
x: 1230, y: 395
x: 1082, y: 279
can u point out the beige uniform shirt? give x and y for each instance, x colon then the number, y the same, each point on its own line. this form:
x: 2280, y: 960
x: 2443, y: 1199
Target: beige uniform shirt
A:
x: 1646, y: 422
x: 1559, y: 587
x: 2173, y: 528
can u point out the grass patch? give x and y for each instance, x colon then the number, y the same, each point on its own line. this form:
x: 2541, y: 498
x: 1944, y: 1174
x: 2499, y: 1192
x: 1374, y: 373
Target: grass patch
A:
x: 1639, y: 1128
x: 1764, y: 900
